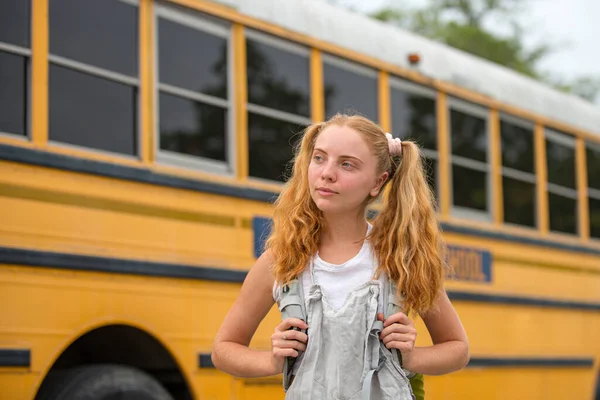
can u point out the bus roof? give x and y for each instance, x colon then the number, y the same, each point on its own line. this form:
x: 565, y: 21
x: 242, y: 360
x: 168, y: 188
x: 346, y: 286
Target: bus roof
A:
x: 391, y: 44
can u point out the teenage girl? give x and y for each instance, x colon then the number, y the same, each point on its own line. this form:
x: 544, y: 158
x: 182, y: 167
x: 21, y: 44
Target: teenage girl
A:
x: 321, y: 236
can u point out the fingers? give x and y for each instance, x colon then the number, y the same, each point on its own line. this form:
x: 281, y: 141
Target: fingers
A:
x: 400, y: 337
x: 399, y: 318
x: 398, y: 328
x: 289, y: 323
x: 404, y: 347
x: 288, y: 340
x: 289, y: 336
x: 380, y: 317
x: 280, y: 353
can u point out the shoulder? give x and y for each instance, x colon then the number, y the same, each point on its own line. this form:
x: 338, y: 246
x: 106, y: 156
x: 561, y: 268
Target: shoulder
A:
x: 261, y: 273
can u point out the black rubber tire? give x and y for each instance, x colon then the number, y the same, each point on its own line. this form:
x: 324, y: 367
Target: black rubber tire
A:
x: 101, y: 382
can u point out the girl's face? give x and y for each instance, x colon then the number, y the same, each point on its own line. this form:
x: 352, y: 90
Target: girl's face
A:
x: 343, y: 171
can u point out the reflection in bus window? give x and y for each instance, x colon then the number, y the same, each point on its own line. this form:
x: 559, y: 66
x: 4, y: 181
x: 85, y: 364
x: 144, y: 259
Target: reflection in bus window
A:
x: 14, y: 64
x: 278, y: 102
x: 193, y: 97
x: 90, y: 111
x: 518, y: 174
x: 14, y: 22
x: 593, y: 176
x: 271, y: 146
x: 349, y: 88
x: 93, y: 75
x: 469, y: 188
x: 192, y: 128
x: 13, y: 91
x: 562, y: 193
x: 277, y: 78
x: 470, y: 168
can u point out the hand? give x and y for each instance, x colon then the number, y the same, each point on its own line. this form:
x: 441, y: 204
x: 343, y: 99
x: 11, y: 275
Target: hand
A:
x: 398, y: 333
x: 286, y: 341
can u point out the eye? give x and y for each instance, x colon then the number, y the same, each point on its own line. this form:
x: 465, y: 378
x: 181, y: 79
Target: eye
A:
x: 318, y: 158
x: 347, y: 165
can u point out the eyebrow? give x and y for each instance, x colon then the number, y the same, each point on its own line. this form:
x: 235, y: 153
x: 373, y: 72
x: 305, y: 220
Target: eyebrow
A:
x: 342, y: 156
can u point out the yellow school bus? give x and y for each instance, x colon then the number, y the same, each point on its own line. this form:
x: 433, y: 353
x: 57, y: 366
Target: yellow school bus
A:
x: 142, y: 144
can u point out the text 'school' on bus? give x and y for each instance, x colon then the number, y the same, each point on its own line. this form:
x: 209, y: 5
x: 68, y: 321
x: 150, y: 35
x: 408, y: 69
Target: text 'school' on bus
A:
x: 142, y: 144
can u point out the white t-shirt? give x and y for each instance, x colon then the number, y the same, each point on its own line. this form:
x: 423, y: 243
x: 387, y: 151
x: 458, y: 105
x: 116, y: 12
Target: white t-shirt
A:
x: 338, y: 280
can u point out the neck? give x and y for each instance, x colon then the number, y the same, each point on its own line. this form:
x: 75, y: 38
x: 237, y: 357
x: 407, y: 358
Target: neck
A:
x: 343, y: 229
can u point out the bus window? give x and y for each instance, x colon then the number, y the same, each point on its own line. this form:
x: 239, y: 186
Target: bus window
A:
x: 93, y: 75
x: 518, y: 172
x: 562, y: 193
x: 278, y: 74
x: 469, y: 140
x: 593, y: 174
x: 413, y: 112
x: 194, y: 107
x: 349, y: 88
x: 14, y: 64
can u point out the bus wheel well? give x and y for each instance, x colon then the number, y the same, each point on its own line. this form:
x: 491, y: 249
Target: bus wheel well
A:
x: 126, y: 345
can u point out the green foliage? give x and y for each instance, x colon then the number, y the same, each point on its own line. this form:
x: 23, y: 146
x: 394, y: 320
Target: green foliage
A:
x: 463, y: 24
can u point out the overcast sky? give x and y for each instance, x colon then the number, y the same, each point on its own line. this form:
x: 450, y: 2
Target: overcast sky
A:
x: 571, y: 24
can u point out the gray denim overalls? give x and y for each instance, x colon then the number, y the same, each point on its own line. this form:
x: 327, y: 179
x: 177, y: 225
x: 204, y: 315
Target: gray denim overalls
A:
x: 344, y: 358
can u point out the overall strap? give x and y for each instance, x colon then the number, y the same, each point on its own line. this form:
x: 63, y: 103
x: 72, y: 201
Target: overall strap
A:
x: 291, y: 304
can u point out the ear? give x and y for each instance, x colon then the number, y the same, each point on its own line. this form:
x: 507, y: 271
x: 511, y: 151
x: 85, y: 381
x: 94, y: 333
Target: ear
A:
x: 379, y: 183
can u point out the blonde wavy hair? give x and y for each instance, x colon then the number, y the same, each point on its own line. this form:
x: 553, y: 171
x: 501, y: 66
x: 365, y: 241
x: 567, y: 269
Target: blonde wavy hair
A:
x: 405, y: 235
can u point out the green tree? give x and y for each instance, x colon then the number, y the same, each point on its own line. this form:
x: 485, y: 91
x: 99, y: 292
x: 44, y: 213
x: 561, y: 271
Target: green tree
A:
x: 464, y: 24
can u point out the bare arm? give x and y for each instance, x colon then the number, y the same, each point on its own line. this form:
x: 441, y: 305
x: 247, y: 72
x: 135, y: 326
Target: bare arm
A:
x: 450, y: 350
x: 231, y: 353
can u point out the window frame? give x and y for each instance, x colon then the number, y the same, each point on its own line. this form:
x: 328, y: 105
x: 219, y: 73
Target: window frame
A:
x: 516, y: 174
x: 210, y: 25
x: 564, y: 139
x: 591, y: 192
x: 112, y: 76
x: 267, y: 112
x: 27, y: 53
x: 477, y: 111
x: 423, y: 91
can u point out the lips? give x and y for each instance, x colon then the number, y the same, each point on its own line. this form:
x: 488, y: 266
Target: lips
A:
x: 326, y: 191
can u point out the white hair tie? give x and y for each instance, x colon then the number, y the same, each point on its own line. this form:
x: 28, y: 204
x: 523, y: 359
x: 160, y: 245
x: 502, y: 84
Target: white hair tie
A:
x: 394, y: 144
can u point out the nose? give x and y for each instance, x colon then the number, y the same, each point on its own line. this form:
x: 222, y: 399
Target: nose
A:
x: 328, y: 173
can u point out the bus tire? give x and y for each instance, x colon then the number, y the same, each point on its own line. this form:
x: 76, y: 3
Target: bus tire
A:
x: 101, y: 381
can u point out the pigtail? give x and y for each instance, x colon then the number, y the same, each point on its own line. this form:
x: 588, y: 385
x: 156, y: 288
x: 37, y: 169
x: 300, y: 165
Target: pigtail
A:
x: 406, y: 235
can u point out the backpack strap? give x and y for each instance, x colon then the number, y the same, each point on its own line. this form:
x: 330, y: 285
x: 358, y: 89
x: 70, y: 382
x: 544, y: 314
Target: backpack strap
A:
x: 291, y: 304
x: 392, y: 305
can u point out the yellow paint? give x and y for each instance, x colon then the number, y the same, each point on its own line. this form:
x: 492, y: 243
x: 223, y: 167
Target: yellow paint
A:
x: 146, y: 33
x: 52, y: 210
x: 385, y: 119
x: 443, y: 130
x: 542, y: 183
x: 39, y: 72
x: 240, y: 101
x: 496, y: 167
x: 582, y: 190
x: 518, y: 384
x: 317, y: 102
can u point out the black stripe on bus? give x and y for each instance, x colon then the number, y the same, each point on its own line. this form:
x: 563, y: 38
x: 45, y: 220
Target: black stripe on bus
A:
x: 106, y: 169
x: 516, y: 362
x: 77, y: 262
x: 15, y: 357
x: 205, y: 361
